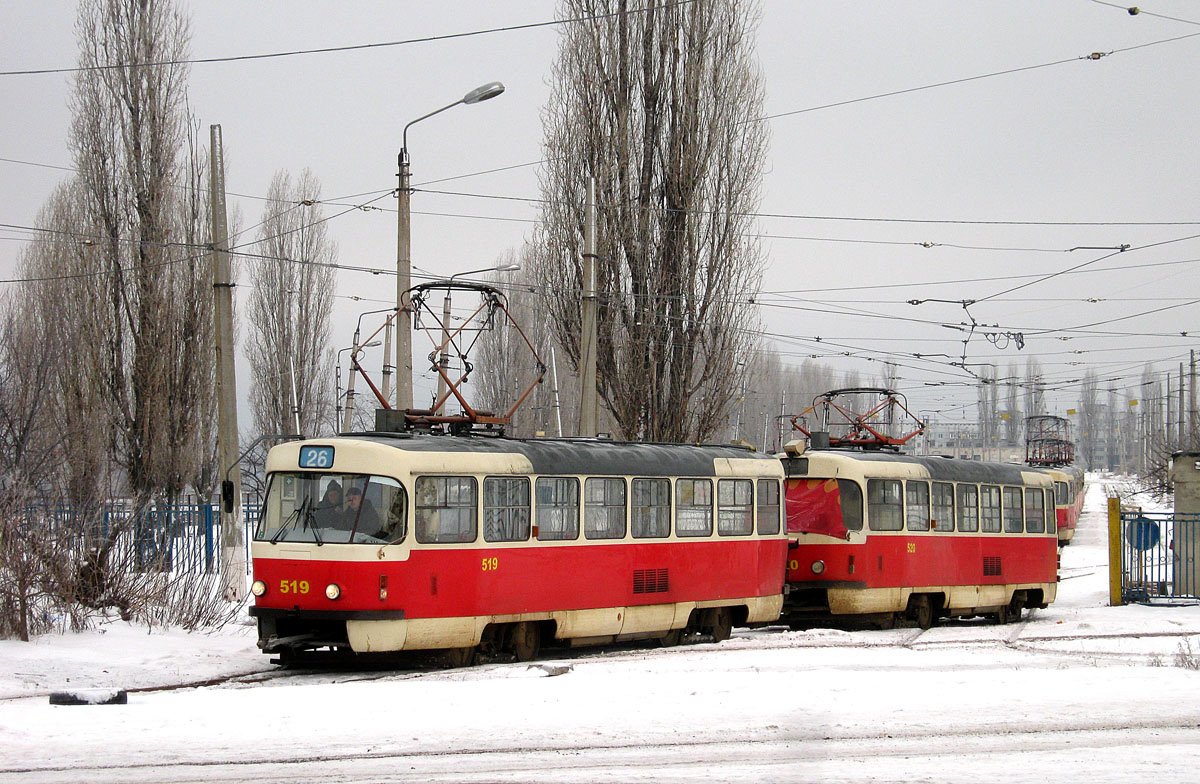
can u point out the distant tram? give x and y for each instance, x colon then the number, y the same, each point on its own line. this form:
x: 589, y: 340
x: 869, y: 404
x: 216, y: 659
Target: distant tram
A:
x: 884, y: 536
x: 1068, y: 499
x: 413, y: 541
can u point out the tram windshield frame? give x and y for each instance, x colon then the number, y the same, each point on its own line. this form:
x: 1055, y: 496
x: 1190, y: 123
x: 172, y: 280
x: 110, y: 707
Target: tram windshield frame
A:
x: 300, y: 508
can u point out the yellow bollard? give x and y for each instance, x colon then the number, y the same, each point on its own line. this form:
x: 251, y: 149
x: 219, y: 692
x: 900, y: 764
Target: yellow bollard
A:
x: 1114, y: 551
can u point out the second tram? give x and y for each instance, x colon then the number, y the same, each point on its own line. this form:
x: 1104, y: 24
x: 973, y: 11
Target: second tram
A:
x: 1069, y: 488
x: 885, y: 535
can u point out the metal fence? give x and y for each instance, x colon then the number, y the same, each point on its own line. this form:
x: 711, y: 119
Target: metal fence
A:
x: 1160, y: 557
x: 178, y: 538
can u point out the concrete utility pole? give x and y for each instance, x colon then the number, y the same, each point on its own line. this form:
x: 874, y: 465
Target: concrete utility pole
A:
x: 587, y: 339
x: 404, y: 390
x: 1192, y: 401
x: 387, y: 366
x: 557, y: 406
x: 1183, y: 412
x: 233, y: 550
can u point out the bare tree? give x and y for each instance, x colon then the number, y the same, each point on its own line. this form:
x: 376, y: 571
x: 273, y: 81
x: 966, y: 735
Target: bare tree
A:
x: 661, y: 104
x: 54, y: 326
x: 291, y: 299
x: 128, y: 130
x: 1091, y: 426
x: 1035, y: 394
x: 1012, y: 404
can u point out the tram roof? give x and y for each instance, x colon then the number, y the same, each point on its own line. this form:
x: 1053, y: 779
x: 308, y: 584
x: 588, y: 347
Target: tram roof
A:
x: 579, y: 456
x: 943, y: 468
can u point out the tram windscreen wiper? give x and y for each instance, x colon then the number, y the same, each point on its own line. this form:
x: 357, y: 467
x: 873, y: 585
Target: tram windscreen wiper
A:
x: 291, y: 520
x: 310, y: 521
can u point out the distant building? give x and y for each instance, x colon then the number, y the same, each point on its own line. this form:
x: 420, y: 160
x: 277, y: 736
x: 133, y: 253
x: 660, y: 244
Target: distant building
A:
x: 962, y: 440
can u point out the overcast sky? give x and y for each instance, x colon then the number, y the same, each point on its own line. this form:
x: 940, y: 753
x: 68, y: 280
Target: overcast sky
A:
x: 1001, y: 175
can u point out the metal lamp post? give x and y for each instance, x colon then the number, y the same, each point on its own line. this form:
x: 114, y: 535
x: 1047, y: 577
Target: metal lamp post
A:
x: 404, y: 392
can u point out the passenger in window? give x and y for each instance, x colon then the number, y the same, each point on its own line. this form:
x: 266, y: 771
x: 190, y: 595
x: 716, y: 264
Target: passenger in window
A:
x: 328, y: 513
x: 361, y: 512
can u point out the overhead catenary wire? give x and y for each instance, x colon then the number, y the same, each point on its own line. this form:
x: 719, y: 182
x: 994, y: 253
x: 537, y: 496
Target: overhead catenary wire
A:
x: 382, y: 271
x: 1086, y: 57
x: 344, y: 48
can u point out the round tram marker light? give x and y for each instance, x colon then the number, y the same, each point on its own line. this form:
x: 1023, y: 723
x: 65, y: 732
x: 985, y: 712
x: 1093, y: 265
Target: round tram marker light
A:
x: 332, y: 591
x: 818, y: 567
x: 258, y: 588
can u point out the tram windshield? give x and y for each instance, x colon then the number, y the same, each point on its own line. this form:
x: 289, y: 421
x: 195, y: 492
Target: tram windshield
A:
x: 330, y: 508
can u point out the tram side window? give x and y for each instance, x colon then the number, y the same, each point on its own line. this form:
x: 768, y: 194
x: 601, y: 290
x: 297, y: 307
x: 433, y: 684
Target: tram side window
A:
x: 968, y: 508
x: 885, y: 505
x: 604, y: 508
x: 852, y: 511
x: 1062, y: 494
x: 505, y: 509
x: 693, y: 507
x: 1013, y: 523
x: 943, y: 506
x: 768, y: 507
x: 446, y: 509
x: 989, y: 509
x: 557, y: 508
x: 1035, y: 511
x: 1051, y: 513
x: 651, y: 514
x: 917, y: 505
x: 735, y: 502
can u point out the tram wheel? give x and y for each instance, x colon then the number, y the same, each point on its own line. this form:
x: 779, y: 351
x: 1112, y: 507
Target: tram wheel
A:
x: 526, y: 641
x: 722, y: 624
x: 671, y: 638
x: 920, y: 609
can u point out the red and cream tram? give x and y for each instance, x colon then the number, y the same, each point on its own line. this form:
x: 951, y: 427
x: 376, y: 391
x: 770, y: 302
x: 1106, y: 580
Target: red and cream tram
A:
x: 409, y: 541
x: 882, y: 534
x: 1068, y: 499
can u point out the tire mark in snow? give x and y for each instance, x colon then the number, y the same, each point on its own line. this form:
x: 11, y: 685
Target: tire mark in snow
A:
x: 545, y: 763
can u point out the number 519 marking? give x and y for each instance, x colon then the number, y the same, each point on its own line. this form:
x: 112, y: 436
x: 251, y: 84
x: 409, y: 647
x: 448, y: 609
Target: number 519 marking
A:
x: 491, y: 564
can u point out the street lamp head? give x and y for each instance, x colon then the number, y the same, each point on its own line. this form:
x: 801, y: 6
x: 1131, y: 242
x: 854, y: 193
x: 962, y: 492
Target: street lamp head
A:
x: 489, y: 90
x: 502, y: 268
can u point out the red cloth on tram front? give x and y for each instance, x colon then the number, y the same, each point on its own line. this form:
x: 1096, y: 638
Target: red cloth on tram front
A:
x: 814, y: 506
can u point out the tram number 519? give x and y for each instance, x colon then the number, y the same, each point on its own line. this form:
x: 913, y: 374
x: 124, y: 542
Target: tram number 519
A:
x: 491, y: 564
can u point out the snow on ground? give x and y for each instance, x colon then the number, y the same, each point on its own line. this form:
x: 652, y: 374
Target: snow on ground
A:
x: 1081, y: 691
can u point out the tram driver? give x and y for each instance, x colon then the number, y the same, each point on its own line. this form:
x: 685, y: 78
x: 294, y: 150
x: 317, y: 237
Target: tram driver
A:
x: 328, y: 513
x: 360, y: 513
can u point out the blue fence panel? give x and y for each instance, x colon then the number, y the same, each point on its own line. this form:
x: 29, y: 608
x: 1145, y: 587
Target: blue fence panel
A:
x: 1160, y: 557
x: 181, y: 538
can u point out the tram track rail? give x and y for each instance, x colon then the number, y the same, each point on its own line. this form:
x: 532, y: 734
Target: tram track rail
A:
x: 550, y: 761
x: 775, y: 638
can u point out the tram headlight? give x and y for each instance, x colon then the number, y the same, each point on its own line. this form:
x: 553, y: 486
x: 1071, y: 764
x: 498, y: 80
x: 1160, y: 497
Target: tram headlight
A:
x: 332, y: 591
x: 818, y: 567
x: 258, y: 588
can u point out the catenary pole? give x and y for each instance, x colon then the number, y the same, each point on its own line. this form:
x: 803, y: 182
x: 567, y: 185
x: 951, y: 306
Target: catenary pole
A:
x: 233, y: 551
x: 404, y: 389
x: 1192, y: 401
x: 587, y: 339
x: 1183, y: 416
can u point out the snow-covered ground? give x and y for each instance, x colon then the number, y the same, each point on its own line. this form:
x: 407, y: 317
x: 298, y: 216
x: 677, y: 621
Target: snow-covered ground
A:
x: 1079, y: 692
